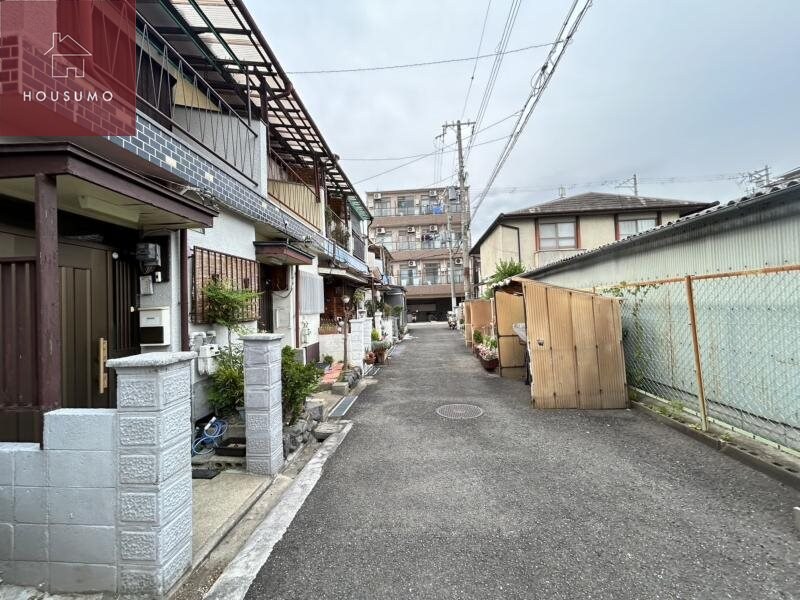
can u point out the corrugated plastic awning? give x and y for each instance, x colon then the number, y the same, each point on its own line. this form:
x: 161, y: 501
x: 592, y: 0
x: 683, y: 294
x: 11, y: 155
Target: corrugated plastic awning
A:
x: 221, y: 40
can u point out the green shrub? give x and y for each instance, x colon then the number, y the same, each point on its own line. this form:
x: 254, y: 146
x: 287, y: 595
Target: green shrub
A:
x: 327, y: 359
x: 298, y: 381
x: 375, y: 335
x: 227, y: 383
x: 477, y: 337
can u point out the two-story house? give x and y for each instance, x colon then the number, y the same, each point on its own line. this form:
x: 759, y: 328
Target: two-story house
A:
x: 106, y: 242
x: 564, y: 227
x: 421, y: 227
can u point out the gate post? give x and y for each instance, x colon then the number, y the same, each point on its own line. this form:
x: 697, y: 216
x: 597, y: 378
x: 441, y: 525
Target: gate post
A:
x: 154, y: 482
x: 262, y: 403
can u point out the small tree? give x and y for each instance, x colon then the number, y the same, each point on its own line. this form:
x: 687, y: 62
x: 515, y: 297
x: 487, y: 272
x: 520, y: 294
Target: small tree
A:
x: 226, y: 305
x: 503, y: 270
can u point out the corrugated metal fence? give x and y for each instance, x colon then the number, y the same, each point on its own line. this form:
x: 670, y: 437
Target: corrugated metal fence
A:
x: 725, y: 345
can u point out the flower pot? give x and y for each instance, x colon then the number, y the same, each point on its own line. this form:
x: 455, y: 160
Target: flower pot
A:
x: 491, y: 364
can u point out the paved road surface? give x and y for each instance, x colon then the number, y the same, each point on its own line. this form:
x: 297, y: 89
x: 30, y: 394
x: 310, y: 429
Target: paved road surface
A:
x: 525, y: 504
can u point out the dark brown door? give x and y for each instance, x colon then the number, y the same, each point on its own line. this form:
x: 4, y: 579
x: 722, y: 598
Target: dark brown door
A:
x: 85, y: 321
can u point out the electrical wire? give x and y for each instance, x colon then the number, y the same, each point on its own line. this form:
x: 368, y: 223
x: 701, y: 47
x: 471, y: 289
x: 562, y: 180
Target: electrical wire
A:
x: 538, y: 84
x: 475, y: 66
x: 495, y: 71
x: 419, y: 157
x: 497, y: 54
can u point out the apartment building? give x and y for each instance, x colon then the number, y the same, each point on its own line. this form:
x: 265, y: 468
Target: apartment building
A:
x: 419, y: 227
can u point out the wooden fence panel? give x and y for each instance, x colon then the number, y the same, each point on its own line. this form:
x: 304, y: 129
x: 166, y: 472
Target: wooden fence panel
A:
x: 575, y: 341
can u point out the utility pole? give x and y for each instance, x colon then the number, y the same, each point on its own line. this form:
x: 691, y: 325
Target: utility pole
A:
x: 451, y: 271
x: 462, y: 198
x: 631, y: 184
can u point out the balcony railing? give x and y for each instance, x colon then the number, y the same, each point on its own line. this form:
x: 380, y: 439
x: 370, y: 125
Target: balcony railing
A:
x: 172, y: 93
x: 299, y: 198
x: 431, y: 279
x: 405, y: 211
x: 435, y: 244
x: 337, y: 230
x: 359, y: 247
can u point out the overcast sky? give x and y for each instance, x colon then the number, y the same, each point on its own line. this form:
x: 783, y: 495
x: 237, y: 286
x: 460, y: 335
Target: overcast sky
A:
x: 662, y: 88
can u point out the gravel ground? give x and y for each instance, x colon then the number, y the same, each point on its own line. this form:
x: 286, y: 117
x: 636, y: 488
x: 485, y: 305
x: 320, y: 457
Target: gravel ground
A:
x: 525, y: 504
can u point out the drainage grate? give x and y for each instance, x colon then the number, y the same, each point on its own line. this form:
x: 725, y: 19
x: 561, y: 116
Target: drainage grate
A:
x: 459, y: 411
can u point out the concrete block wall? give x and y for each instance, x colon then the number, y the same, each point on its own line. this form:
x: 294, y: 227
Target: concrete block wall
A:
x: 58, y: 505
x: 379, y: 321
x: 105, y: 505
x: 262, y: 403
x: 332, y: 344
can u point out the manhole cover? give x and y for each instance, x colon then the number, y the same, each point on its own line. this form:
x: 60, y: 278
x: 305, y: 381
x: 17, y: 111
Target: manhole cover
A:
x: 459, y: 411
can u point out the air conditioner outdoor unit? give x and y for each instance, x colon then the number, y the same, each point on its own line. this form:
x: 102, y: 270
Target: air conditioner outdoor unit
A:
x: 432, y: 193
x: 376, y: 196
x: 434, y: 228
x: 410, y: 229
x: 416, y: 202
x: 412, y: 263
x: 381, y: 230
x: 459, y: 261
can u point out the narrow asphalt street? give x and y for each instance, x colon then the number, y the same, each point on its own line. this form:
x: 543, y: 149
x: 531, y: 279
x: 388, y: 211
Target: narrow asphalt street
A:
x: 520, y: 503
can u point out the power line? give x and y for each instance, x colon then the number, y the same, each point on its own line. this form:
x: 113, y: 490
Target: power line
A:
x: 498, y: 61
x: 419, y: 157
x: 599, y: 183
x: 475, y: 66
x: 420, y: 64
x: 538, y: 85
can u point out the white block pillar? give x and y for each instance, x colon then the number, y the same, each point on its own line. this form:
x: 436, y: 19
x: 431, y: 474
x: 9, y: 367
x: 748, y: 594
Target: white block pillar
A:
x: 379, y: 321
x: 262, y: 403
x: 355, y: 341
x: 154, y: 488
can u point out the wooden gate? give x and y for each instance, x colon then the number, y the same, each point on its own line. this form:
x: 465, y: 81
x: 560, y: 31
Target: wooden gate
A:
x: 509, y: 309
x: 575, y: 344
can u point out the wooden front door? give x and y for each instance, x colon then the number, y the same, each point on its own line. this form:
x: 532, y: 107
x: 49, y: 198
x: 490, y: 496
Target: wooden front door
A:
x: 97, y: 298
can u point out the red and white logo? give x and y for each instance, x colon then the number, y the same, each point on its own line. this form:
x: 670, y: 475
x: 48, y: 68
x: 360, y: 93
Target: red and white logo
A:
x: 67, y: 67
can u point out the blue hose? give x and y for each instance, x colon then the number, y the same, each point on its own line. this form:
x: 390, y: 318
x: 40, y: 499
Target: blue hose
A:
x: 209, y: 436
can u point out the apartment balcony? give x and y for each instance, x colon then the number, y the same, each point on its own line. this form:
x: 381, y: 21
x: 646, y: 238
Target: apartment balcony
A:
x: 406, y: 211
x: 299, y: 198
x: 432, y: 285
x: 174, y: 95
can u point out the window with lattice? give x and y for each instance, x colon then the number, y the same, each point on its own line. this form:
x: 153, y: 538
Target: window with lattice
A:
x: 210, y: 265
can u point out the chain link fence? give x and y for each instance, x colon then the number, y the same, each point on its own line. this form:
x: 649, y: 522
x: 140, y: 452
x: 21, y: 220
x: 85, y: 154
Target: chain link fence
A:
x: 747, y: 331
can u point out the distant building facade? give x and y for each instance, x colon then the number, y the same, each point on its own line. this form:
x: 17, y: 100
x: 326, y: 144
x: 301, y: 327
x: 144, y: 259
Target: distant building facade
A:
x: 413, y: 225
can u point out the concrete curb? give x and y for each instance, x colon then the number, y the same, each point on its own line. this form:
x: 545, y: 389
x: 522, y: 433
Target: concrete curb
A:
x: 736, y: 452
x: 237, y: 577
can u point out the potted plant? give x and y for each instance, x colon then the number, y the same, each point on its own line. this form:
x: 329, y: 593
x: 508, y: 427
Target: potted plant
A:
x: 370, y: 358
x: 477, y: 340
x: 487, y: 353
x: 328, y: 362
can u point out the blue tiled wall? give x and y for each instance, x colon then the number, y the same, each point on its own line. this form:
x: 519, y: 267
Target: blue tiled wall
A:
x: 153, y: 143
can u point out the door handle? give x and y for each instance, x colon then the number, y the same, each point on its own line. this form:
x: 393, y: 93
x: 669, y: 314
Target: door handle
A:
x: 102, y: 354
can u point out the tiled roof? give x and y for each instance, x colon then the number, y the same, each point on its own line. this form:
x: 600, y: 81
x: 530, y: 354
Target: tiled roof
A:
x: 601, y: 202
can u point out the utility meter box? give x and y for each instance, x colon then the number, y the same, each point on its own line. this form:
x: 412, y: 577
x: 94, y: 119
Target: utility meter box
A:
x: 154, y: 326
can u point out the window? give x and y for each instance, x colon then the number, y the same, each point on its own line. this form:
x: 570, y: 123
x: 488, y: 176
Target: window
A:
x: 627, y: 226
x: 209, y: 265
x: 554, y: 236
